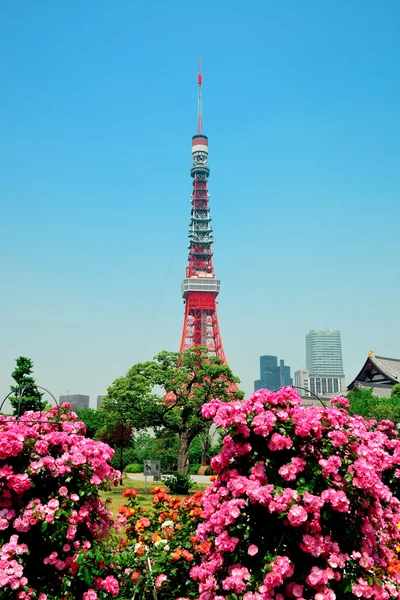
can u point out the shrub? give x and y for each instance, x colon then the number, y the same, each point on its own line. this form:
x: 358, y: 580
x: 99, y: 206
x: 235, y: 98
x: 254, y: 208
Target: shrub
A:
x: 194, y: 469
x: 178, y: 483
x: 134, y: 468
x: 304, y: 503
x: 50, y: 510
x: 164, y: 538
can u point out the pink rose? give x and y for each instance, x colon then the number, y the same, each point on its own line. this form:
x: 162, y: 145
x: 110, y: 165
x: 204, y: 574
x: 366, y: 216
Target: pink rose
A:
x: 160, y: 580
x: 252, y: 550
x: 297, y: 515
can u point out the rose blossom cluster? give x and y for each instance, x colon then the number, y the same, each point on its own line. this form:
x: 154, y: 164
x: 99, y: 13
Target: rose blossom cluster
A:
x: 50, y: 510
x: 162, y: 545
x: 304, y: 504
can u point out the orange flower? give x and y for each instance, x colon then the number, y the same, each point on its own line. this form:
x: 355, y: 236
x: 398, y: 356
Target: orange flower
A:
x: 176, y: 555
x: 142, y: 523
x: 205, y: 547
x: 132, y: 493
x: 135, y: 576
x: 393, y: 567
x: 188, y: 556
x: 123, y: 510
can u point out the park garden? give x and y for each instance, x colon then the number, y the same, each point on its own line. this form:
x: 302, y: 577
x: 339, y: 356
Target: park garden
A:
x: 304, y: 502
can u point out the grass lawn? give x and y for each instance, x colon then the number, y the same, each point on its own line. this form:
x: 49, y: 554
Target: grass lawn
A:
x: 115, y: 499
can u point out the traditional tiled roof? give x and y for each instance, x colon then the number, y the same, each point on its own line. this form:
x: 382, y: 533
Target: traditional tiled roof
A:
x: 390, y: 366
x: 378, y: 370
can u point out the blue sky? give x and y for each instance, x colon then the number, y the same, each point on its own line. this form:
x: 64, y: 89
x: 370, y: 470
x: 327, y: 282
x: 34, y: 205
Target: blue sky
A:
x: 98, y: 104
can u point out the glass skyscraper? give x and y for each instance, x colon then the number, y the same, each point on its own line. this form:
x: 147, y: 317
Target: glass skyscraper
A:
x: 272, y: 375
x: 324, y: 361
x: 324, y: 353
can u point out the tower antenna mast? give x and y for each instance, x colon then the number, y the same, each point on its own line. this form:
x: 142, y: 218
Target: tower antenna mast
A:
x: 200, y: 287
x: 199, y: 99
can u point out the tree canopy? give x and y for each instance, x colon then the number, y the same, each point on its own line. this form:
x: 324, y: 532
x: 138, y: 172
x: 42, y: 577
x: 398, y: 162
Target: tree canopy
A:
x: 93, y: 419
x: 169, y: 392
x: 363, y: 402
x: 26, y: 394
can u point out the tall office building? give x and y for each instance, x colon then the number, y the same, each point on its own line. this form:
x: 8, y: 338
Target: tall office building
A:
x: 99, y: 401
x: 77, y: 401
x: 324, y: 352
x: 272, y: 375
x: 324, y: 361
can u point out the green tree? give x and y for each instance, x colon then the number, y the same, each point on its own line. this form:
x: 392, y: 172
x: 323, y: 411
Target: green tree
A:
x: 117, y: 435
x: 93, y: 419
x: 162, y: 446
x: 199, y: 451
x: 196, y: 451
x: 166, y: 448
x: 363, y: 402
x: 26, y: 395
x: 170, y: 391
x: 144, y: 447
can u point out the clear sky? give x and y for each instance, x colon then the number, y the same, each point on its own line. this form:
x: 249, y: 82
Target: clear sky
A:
x: 98, y: 104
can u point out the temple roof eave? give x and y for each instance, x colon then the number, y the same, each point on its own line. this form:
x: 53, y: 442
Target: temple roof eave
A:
x: 376, y: 366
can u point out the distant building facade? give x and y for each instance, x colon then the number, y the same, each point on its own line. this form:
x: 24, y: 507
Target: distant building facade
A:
x: 99, y: 401
x: 77, y: 401
x: 302, y: 380
x: 378, y: 373
x: 320, y: 385
x: 324, y: 362
x: 272, y: 375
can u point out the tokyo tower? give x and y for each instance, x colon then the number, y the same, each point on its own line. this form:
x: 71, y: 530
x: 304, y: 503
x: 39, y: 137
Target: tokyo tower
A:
x: 200, y: 288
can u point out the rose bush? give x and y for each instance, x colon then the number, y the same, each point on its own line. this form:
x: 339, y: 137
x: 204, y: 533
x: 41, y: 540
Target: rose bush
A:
x: 51, y: 515
x: 304, y: 504
x: 162, y: 544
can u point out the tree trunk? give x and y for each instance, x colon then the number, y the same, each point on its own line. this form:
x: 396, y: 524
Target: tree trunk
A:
x: 183, y: 453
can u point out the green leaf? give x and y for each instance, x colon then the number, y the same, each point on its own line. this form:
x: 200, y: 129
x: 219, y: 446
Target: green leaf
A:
x: 87, y: 576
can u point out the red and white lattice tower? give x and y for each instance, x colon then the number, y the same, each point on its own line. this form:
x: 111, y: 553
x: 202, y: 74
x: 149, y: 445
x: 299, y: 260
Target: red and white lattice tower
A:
x: 200, y: 288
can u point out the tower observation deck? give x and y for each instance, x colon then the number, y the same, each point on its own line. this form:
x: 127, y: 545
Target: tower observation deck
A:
x: 200, y: 287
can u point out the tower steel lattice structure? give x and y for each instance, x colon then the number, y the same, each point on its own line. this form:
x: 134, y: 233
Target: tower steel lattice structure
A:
x: 200, y: 287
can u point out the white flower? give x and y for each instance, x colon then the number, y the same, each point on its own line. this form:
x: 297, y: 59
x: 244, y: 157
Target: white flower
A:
x: 167, y: 524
